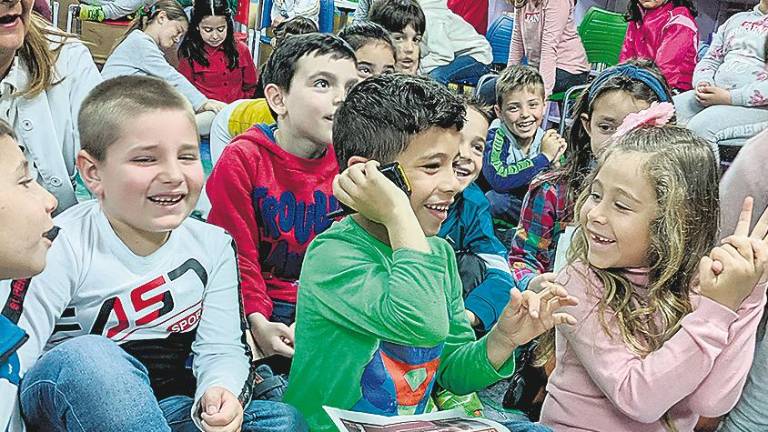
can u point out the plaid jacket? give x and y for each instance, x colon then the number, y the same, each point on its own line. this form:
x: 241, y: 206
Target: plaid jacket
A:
x: 545, y: 213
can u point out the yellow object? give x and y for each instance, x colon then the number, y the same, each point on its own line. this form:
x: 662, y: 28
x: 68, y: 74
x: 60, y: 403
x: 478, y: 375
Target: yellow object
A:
x: 248, y: 113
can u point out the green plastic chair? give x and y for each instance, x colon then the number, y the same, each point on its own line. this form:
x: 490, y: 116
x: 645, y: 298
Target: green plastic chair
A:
x: 602, y: 33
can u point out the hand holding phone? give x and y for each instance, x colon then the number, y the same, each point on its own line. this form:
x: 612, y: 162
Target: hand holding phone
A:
x: 353, y: 182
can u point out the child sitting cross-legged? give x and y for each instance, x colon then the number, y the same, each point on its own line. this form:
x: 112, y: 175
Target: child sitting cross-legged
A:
x: 381, y: 285
x: 271, y: 187
x: 134, y: 287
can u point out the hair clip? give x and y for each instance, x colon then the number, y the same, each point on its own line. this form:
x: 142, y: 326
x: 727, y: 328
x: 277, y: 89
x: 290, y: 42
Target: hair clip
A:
x: 658, y: 115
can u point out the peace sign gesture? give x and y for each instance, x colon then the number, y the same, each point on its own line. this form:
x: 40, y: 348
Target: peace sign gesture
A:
x: 741, y: 260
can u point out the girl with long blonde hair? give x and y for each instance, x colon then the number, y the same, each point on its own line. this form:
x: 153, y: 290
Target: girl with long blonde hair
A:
x: 667, y: 322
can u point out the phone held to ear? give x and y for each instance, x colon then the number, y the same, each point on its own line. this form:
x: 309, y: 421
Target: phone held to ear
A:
x: 394, y: 172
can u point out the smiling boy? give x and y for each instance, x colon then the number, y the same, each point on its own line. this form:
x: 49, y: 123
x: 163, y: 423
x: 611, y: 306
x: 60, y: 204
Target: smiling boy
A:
x: 271, y: 188
x: 133, y: 286
x: 380, y: 284
x: 518, y: 149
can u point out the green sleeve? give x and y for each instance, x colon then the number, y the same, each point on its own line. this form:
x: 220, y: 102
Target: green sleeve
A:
x: 394, y: 296
x: 464, y: 364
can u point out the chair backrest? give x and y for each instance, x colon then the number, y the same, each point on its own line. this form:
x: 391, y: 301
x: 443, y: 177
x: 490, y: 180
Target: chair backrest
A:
x: 325, y: 20
x: 500, y: 36
x: 266, y: 14
x: 602, y: 33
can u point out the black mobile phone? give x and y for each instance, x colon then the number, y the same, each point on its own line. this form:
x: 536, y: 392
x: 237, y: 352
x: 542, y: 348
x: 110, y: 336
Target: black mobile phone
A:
x: 394, y: 172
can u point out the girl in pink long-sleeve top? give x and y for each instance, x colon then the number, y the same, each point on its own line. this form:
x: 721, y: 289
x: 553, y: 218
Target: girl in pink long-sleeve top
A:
x: 664, y: 31
x: 545, y: 32
x: 666, y: 323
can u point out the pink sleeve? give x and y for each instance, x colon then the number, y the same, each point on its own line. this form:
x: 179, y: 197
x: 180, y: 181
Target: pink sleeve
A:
x: 721, y: 389
x: 626, y: 378
x: 555, y: 15
x: 676, y: 56
x: 516, y: 49
x: 628, y: 48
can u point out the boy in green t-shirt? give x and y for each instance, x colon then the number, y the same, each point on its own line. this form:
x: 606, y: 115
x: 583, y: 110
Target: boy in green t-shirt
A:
x: 380, y: 314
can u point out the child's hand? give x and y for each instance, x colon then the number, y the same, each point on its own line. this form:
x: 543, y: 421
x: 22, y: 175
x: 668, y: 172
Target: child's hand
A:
x: 526, y: 316
x: 742, y: 259
x: 364, y: 188
x: 553, y: 145
x: 538, y: 283
x: 220, y: 411
x: 709, y: 95
x: 212, y: 105
x: 271, y: 337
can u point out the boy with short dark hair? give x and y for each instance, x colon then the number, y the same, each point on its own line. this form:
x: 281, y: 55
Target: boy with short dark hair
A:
x: 405, y: 21
x: 380, y: 285
x: 518, y: 149
x: 133, y: 286
x: 271, y: 187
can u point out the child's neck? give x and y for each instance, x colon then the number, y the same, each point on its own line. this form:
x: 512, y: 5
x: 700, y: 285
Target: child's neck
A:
x: 377, y: 230
x: 153, y: 32
x: 140, y: 242
x: 298, y: 146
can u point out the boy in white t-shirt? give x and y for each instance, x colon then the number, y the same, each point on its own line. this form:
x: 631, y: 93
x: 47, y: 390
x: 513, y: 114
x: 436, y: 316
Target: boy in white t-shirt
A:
x: 133, y: 287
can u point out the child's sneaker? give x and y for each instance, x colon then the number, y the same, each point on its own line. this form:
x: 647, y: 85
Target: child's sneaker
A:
x: 91, y: 13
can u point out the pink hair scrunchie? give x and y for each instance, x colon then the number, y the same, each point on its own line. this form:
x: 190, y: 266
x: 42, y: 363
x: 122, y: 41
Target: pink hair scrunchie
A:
x: 658, y: 114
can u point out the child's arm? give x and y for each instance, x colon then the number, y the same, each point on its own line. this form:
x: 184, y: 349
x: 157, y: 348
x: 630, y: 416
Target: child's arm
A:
x: 707, y: 66
x: 488, y: 299
x: 437, y: 48
x: 156, y: 65
x: 36, y: 304
x: 628, y: 48
x: 531, y: 252
x: 555, y: 14
x: 722, y: 388
x: 504, y: 177
x: 516, y: 49
x: 305, y: 8
x: 221, y: 357
x: 754, y: 94
x: 624, y: 376
x: 250, y: 74
x: 676, y: 56
x: 229, y: 188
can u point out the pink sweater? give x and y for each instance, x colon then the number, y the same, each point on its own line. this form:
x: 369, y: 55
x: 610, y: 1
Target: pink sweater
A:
x: 545, y: 31
x: 600, y: 385
x: 669, y: 36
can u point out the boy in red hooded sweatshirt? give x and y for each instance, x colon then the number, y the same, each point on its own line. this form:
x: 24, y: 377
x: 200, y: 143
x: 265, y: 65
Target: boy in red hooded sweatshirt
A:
x: 271, y: 187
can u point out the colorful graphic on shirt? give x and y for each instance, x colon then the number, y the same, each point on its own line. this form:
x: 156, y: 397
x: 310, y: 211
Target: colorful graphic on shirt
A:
x: 398, y: 380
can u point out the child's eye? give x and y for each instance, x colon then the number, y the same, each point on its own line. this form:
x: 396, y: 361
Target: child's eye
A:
x: 432, y: 167
x: 622, y: 206
x: 479, y: 148
x: 221, y: 29
x: 594, y: 196
x: 143, y: 159
x: 321, y: 83
x: 26, y: 181
x: 607, y: 129
x: 189, y: 156
x: 365, y: 70
x: 417, y: 39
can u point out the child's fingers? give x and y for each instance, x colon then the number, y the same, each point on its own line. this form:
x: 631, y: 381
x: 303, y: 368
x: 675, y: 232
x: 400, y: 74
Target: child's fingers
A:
x: 745, y: 218
x: 533, y: 301
x: 742, y: 245
x: 342, y: 190
x: 563, y: 318
x: 356, y: 173
x: 725, y: 256
x: 515, y: 301
x: 706, y: 275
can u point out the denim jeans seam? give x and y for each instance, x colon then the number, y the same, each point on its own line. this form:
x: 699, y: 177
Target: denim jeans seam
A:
x: 58, y: 392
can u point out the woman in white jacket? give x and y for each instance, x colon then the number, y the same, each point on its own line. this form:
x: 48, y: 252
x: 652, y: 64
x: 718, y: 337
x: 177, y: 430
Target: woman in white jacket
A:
x: 44, y: 76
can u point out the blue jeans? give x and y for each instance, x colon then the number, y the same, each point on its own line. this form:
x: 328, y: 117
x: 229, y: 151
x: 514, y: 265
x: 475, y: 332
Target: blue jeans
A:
x: 90, y: 384
x: 463, y: 68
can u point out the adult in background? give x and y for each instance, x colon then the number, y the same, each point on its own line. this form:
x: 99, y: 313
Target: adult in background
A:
x: 44, y: 76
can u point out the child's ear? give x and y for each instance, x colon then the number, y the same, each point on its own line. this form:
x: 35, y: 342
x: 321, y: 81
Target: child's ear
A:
x: 356, y: 160
x: 161, y: 17
x: 584, y: 118
x: 89, y: 172
x: 497, y: 110
x: 275, y: 99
